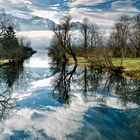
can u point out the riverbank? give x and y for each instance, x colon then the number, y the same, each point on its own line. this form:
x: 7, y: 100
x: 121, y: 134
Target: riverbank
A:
x: 6, y: 61
x: 131, y: 66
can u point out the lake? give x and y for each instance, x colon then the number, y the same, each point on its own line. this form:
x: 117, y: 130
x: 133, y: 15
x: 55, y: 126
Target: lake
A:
x: 41, y: 100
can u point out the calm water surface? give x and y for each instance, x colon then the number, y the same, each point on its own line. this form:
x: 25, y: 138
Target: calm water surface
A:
x: 40, y: 100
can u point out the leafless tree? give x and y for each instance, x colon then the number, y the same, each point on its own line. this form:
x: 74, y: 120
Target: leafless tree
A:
x: 62, y: 46
x: 91, y: 38
x: 120, y: 35
x: 135, y: 34
x: 60, y: 50
x: 85, y: 31
x: 6, y: 103
x: 95, y: 36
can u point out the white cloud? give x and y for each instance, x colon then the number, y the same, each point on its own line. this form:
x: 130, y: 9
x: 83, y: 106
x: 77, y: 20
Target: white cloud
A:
x: 49, y: 14
x: 17, y: 8
x: 85, y: 2
x: 124, y: 6
x: 60, y: 122
x: 36, y: 34
x: 20, y: 1
x: 105, y: 19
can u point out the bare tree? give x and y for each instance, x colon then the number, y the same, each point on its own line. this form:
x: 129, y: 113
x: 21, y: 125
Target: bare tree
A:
x: 85, y: 31
x: 120, y: 35
x: 6, y: 104
x: 91, y: 38
x: 62, y: 46
x: 95, y: 36
x: 135, y: 34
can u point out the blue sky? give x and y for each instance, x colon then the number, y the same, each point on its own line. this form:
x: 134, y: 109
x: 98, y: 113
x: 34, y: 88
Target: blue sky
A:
x: 101, y: 12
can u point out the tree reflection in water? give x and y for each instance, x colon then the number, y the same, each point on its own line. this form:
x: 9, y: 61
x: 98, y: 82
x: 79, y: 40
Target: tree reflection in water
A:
x: 13, y: 74
x: 128, y: 91
x: 10, y: 75
x: 6, y: 104
x: 63, y: 78
x: 91, y: 82
x: 89, y: 79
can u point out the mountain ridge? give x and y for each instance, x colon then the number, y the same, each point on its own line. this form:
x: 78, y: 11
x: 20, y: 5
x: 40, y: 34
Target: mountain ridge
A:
x: 38, y: 23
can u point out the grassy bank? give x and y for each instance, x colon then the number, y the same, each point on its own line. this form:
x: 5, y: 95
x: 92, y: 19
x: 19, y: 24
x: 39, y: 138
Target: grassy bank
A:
x: 16, y: 56
x: 8, y: 61
x: 131, y: 65
x: 3, y: 62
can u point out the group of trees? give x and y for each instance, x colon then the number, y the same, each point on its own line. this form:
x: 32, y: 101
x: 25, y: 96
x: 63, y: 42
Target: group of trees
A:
x: 10, y: 45
x: 91, y: 38
x: 124, y: 39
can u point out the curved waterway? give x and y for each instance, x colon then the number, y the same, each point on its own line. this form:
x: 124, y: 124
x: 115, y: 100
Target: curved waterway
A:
x: 36, y: 105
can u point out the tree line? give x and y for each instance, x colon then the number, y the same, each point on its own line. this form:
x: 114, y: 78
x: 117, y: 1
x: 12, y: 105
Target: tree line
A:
x: 124, y: 39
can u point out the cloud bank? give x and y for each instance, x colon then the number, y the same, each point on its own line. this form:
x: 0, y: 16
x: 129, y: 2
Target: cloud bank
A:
x: 101, y: 12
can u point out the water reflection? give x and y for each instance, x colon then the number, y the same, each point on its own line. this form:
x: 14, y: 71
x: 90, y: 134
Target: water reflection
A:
x: 6, y: 104
x: 63, y: 78
x: 87, y: 103
x: 92, y: 83
x: 10, y: 76
x: 90, y: 80
x: 11, y: 73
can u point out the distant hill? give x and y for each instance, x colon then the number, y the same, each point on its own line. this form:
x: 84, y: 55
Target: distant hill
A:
x: 38, y: 23
x: 35, y: 23
x: 76, y: 25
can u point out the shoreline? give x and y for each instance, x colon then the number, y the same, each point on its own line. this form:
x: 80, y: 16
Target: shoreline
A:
x: 130, y: 67
x: 7, y: 61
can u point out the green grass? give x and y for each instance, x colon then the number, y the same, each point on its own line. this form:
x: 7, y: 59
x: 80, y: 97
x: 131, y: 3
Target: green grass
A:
x: 5, y: 61
x: 82, y: 61
x: 131, y: 65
